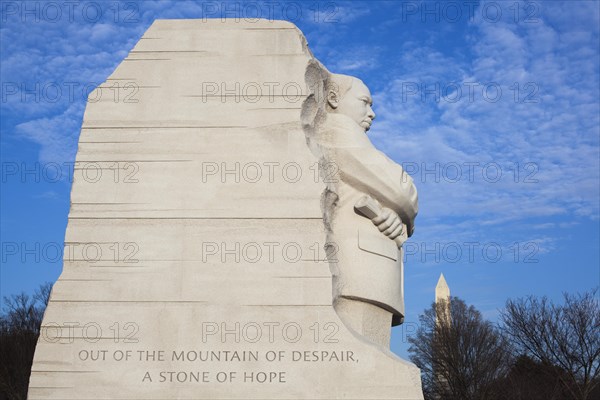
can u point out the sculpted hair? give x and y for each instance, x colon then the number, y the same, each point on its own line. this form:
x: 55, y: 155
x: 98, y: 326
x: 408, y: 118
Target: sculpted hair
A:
x: 339, y: 83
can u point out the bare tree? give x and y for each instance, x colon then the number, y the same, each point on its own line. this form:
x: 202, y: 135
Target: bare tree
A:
x: 42, y: 294
x: 532, y: 380
x: 567, y: 336
x: 460, y: 356
x: 20, y: 323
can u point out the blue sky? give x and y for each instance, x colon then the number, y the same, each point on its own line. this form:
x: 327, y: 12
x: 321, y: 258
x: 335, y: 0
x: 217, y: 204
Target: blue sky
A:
x: 492, y: 107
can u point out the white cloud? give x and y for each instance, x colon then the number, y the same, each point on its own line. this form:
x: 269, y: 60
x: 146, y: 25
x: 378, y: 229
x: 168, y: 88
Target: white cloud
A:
x: 353, y: 59
x: 57, y: 136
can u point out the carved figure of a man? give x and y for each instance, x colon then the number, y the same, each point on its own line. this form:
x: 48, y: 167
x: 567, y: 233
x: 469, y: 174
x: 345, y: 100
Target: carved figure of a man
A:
x: 369, y: 209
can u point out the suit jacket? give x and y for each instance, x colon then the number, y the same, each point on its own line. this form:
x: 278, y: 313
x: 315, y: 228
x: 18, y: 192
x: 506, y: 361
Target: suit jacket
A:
x: 366, y: 265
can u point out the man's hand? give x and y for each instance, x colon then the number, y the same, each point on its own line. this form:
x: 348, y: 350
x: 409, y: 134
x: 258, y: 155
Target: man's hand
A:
x: 386, y: 220
x: 388, y: 223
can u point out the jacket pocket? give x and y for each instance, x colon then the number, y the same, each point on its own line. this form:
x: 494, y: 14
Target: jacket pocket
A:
x: 377, y: 243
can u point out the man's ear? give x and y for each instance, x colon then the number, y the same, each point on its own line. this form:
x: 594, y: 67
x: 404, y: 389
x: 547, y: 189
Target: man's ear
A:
x: 333, y: 99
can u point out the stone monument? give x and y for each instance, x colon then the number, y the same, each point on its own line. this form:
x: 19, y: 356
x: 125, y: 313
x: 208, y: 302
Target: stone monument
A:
x: 442, y: 291
x: 233, y: 233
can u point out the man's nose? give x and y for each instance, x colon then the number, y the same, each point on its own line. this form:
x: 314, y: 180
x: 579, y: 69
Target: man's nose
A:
x: 371, y: 113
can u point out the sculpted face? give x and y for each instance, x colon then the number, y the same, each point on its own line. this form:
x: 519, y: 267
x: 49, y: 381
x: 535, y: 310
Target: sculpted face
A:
x: 355, y: 103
